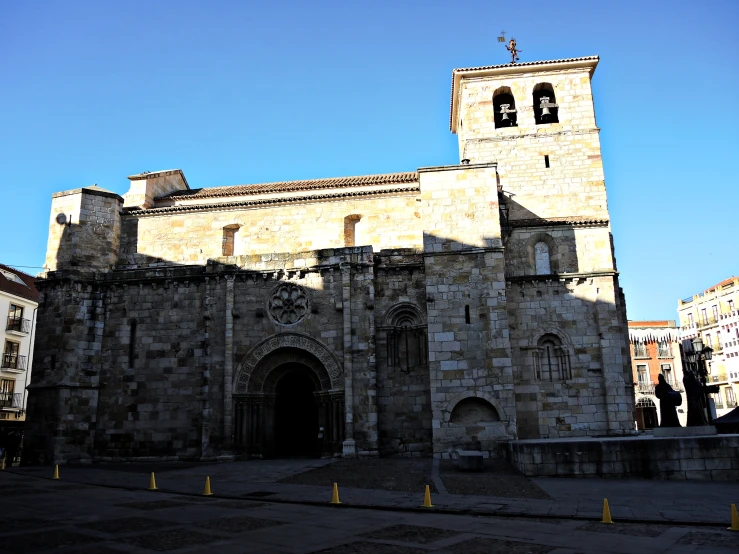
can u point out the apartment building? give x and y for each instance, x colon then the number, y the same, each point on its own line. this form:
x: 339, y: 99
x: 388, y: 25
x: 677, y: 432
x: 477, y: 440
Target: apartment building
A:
x: 714, y: 316
x: 18, y: 303
x: 655, y: 350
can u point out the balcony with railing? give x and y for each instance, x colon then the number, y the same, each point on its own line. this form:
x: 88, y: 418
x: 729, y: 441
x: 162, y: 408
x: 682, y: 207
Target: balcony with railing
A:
x: 18, y: 325
x: 645, y: 388
x: 707, y: 321
x: 13, y: 362
x: 10, y: 400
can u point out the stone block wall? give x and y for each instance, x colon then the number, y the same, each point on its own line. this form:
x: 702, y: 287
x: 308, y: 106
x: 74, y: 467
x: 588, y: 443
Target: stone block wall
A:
x: 84, y: 230
x: 193, y: 237
x: 573, y: 184
x: 714, y: 458
x: 403, y: 387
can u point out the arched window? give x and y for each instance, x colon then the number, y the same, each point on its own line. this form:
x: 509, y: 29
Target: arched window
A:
x: 504, y: 106
x: 546, y: 109
x: 541, y: 258
x: 406, y: 339
x: 552, y: 360
x: 229, y: 239
x: 351, y: 230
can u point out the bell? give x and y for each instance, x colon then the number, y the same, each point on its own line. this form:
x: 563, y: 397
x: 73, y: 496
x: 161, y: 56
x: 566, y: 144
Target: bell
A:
x: 545, y: 111
x: 504, y: 111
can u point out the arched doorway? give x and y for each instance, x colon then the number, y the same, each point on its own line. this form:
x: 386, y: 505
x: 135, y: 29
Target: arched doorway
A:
x: 296, y: 414
x: 285, y: 389
x: 646, y: 414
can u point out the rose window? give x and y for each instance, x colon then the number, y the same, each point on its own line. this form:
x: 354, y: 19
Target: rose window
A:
x: 289, y: 304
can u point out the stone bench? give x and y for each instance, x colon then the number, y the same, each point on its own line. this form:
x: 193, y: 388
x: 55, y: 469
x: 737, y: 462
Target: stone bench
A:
x: 470, y: 460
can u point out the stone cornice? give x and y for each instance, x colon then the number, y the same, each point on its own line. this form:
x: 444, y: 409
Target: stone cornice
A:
x: 573, y: 221
x: 560, y: 277
x: 226, y: 206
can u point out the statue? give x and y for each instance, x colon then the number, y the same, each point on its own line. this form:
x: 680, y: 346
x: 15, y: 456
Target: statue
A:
x: 694, y: 392
x: 511, y: 47
x: 669, y: 400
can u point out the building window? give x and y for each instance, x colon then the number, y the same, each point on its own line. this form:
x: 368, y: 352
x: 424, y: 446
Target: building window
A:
x: 552, y: 362
x: 731, y: 305
x: 15, y: 319
x: 545, y: 105
x: 666, y: 370
x: 504, y: 106
x: 7, y: 387
x: 664, y: 350
x: 642, y: 374
x: 11, y: 356
x: 640, y: 350
x: 730, y: 399
x: 690, y: 319
x: 704, y: 317
x: 541, y: 257
x: 406, y: 339
x: 230, y: 233
x: 352, y: 230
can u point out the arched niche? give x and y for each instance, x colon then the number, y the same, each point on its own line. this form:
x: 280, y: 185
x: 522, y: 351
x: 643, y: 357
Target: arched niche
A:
x: 474, y: 411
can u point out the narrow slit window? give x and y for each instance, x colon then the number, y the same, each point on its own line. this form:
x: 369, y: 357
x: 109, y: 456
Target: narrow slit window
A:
x: 546, y: 161
x: 132, y: 343
x: 467, y: 313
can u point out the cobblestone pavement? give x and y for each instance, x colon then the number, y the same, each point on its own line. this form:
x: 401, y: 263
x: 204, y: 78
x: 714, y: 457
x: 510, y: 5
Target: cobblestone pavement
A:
x: 56, y: 516
x: 494, y: 493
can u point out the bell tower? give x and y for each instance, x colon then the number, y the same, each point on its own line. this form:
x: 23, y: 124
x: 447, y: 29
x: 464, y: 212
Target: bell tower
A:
x: 536, y: 120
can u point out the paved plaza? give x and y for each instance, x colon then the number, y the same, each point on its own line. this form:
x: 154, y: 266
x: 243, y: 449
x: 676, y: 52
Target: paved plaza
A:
x: 257, y: 507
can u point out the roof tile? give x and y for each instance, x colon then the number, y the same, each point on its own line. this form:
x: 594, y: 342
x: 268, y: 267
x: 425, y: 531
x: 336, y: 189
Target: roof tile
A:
x: 291, y: 186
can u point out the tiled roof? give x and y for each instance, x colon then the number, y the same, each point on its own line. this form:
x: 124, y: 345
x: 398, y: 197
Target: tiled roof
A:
x: 291, y: 186
x: 138, y: 212
x: 511, y: 65
x: 26, y: 290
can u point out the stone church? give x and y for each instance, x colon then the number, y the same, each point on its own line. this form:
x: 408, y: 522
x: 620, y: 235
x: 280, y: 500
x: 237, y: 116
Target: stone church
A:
x: 415, y: 313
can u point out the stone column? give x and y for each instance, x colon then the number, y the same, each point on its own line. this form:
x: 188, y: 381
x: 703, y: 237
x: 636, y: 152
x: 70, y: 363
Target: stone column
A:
x: 349, y: 447
x: 228, y: 365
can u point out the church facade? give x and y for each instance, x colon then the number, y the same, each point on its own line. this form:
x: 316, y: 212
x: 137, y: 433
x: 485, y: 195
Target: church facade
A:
x: 414, y: 313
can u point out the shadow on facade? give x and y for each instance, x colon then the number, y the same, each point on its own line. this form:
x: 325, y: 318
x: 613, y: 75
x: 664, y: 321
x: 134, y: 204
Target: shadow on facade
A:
x: 308, y: 354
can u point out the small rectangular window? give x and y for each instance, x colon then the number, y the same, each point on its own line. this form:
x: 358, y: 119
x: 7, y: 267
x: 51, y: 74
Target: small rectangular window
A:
x: 546, y: 160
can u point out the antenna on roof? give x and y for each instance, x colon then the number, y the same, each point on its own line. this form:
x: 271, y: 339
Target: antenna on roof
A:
x: 511, y: 46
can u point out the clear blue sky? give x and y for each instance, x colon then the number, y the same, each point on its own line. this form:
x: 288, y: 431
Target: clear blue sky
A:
x: 250, y: 92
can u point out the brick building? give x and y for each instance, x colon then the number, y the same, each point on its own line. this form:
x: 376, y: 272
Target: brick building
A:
x: 655, y: 351
x: 408, y: 313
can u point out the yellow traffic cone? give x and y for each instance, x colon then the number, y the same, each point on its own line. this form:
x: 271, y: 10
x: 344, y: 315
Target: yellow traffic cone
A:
x: 152, y: 483
x: 427, y: 498
x: 335, y: 495
x: 606, y: 512
x: 56, y: 472
x: 734, y: 519
x: 207, y: 491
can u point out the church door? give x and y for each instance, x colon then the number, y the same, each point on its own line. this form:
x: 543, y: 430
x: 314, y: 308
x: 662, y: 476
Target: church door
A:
x: 296, y: 416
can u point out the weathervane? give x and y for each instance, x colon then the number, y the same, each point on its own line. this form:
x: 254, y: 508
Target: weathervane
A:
x: 511, y: 46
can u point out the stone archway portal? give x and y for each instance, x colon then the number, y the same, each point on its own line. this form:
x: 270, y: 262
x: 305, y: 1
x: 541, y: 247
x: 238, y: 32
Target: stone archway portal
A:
x: 282, y: 403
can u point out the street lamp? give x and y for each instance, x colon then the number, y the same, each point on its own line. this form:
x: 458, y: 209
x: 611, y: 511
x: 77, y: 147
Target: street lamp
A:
x: 698, y: 356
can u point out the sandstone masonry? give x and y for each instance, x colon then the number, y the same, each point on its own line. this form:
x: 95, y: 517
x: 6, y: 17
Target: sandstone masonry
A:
x: 411, y: 313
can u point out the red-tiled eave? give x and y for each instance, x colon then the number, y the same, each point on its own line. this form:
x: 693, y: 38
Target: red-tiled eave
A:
x: 292, y: 186
x: 28, y: 292
x: 662, y: 323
